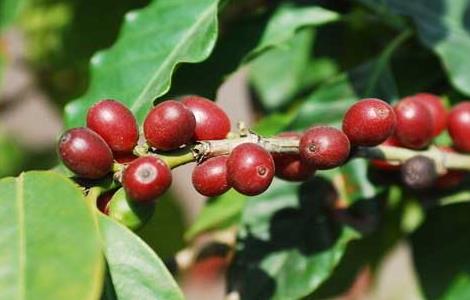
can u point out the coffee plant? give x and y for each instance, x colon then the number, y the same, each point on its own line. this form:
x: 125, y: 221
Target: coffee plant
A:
x: 362, y: 140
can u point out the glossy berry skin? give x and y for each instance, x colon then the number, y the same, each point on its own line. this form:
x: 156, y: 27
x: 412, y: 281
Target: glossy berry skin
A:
x: 324, y: 147
x: 169, y: 125
x: 212, y: 123
x: 115, y: 123
x: 85, y: 153
x: 369, y: 122
x: 437, y: 109
x: 210, y: 177
x: 382, y: 164
x: 458, y: 125
x: 414, y: 124
x: 250, y: 169
x: 289, y: 166
x: 146, y: 178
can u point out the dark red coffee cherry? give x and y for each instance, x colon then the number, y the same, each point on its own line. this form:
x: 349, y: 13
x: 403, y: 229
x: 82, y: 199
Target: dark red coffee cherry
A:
x: 146, y: 178
x: 124, y: 158
x: 250, y: 169
x: 103, y: 201
x: 419, y: 172
x: 437, y: 109
x: 115, y: 123
x: 458, y: 126
x: 452, y: 178
x: 289, y: 166
x: 210, y: 177
x: 169, y: 125
x: 212, y: 123
x: 383, y: 164
x: 369, y: 122
x: 414, y: 124
x: 85, y: 153
x: 324, y: 147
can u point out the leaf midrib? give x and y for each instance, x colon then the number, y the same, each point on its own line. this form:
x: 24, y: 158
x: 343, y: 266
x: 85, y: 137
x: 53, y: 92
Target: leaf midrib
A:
x: 192, y: 30
x: 21, y: 237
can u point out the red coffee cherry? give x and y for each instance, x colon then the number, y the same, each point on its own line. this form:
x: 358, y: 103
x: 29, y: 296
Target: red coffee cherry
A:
x: 103, y: 201
x: 383, y: 164
x: 212, y: 123
x: 458, y: 126
x: 452, y: 178
x: 289, y: 166
x: 369, y: 122
x: 85, y: 153
x: 210, y: 177
x: 124, y: 158
x: 169, y: 125
x: 324, y: 147
x: 437, y: 109
x: 115, y: 123
x: 146, y: 178
x: 414, y: 124
x: 250, y: 169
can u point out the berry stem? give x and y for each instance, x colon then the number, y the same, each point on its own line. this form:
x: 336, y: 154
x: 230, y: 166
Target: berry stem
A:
x: 211, y: 148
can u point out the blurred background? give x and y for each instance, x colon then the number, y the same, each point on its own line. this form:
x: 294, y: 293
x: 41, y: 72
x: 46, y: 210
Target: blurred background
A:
x: 44, y: 56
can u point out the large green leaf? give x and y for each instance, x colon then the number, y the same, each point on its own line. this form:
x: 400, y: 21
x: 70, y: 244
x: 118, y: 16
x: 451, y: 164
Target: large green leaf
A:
x: 440, y: 252
x: 443, y: 27
x: 286, y: 21
x: 135, y: 271
x: 288, y: 63
x: 219, y: 212
x: 138, y: 68
x: 289, y: 241
x: 49, y: 242
x: 11, y: 156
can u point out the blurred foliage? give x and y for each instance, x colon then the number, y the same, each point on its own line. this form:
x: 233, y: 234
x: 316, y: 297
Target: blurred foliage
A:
x: 62, y: 35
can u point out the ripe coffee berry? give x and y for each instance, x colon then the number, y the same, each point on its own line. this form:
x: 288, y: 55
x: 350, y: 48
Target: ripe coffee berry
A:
x: 458, y: 126
x: 414, y: 124
x: 289, y: 166
x: 146, y: 178
x: 210, y: 177
x: 324, y: 147
x: 437, y: 109
x: 103, y: 201
x: 85, y: 153
x: 212, y: 123
x: 169, y: 125
x: 115, y: 123
x: 418, y: 172
x: 250, y: 169
x: 369, y: 122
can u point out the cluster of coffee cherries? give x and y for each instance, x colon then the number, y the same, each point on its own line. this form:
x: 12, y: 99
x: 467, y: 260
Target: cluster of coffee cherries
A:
x: 112, y: 134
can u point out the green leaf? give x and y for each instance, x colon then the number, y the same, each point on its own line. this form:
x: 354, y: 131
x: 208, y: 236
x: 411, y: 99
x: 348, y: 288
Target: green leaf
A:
x: 9, y: 10
x: 11, y: 156
x: 135, y: 270
x: 289, y: 243
x: 285, y: 23
x: 440, y: 252
x: 442, y: 27
x: 288, y: 63
x: 49, y: 242
x: 219, y: 212
x: 167, y: 224
x: 138, y: 68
